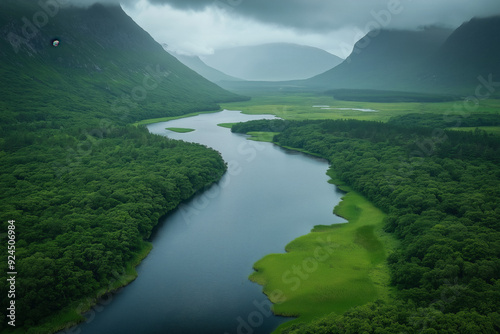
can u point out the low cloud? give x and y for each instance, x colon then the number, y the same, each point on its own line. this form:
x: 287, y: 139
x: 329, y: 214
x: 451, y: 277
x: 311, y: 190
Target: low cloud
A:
x: 86, y: 3
x: 322, y: 15
x: 200, y: 26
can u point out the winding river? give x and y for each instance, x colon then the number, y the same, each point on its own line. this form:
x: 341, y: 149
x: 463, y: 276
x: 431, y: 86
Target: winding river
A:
x: 195, y: 280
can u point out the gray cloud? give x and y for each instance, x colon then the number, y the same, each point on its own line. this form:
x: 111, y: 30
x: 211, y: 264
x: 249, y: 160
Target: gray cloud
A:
x: 86, y: 3
x: 321, y: 15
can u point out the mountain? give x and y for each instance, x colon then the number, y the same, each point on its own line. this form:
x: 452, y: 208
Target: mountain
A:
x: 197, y: 65
x: 472, y: 51
x: 430, y: 61
x: 388, y: 60
x: 272, y: 62
x: 103, y: 58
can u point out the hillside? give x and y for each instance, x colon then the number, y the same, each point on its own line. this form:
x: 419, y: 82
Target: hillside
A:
x: 272, y: 62
x: 471, y: 51
x: 432, y: 60
x: 385, y: 61
x: 104, y: 59
x: 197, y: 65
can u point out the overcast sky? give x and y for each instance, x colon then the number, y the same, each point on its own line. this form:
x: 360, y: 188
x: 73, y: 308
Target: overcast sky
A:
x: 200, y: 26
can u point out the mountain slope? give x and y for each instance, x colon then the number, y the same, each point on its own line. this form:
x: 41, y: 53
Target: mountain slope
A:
x: 272, y: 62
x: 385, y: 61
x: 431, y: 61
x: 103, y: 57
x: 197, y: 65
x: 472, y: 51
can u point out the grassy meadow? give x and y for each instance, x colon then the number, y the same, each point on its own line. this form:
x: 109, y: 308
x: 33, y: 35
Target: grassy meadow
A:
x: 166, y: 119
x: 226, y: 125
x: 311, y: 106
x: 180, y: 130
x: 331, y: 269
x: 262, y: 136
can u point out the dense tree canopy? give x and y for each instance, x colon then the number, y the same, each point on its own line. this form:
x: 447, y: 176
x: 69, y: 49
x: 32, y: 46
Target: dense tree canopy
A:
x: 83, y: 206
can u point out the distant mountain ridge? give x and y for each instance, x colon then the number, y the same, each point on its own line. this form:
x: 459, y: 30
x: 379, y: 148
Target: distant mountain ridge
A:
x: 433, y: 60
x: 437, y: 61
x: 471, y: 52
x: 272, y: 62
x: 386, y: 61
x: 197, y: 65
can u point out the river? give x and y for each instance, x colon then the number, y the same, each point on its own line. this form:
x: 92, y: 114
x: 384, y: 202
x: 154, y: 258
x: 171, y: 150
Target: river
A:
x: 195, y: 280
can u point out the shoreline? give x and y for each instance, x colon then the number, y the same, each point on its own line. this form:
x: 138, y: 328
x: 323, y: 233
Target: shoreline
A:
x: 359, y: 249
x: 65, y: 320
x: 171, y: 118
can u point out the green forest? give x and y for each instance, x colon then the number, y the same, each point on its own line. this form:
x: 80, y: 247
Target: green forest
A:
x: 440, y: 190
x: 83, y: 206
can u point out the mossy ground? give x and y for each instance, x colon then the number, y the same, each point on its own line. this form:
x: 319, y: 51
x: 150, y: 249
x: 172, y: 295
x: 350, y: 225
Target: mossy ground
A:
x: 332, y: 269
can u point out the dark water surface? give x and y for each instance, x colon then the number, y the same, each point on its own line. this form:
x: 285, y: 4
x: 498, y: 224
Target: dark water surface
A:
x: 195, y: 280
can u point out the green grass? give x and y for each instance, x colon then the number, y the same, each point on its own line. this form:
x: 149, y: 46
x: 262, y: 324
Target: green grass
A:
x: 257, y: 136
x: 166, y: 119
x: 262, y: 136
x: 181, y: 130
x: 495, y: 130
x: 332, y: 269
x: 300, y: 107
x: 226, y: 125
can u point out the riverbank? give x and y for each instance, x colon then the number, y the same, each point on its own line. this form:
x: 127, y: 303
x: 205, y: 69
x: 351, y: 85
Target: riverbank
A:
x: 93, y: 300
x: 181, y: 130
x: 332, y: 269
x: 166, y: 119
x: 63, y: 321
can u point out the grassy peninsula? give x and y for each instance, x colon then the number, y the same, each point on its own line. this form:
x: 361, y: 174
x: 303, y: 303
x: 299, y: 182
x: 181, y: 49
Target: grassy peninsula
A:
x: 181, y: 130
x: 332, y: 269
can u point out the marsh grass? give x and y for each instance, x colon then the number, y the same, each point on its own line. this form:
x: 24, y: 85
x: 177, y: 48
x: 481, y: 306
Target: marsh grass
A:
x: 355, y: 272
x: 301, y: 107
x: 181, y: 130
x: 166, y: 119
x: 226, y: 125
x: 262, y: 136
